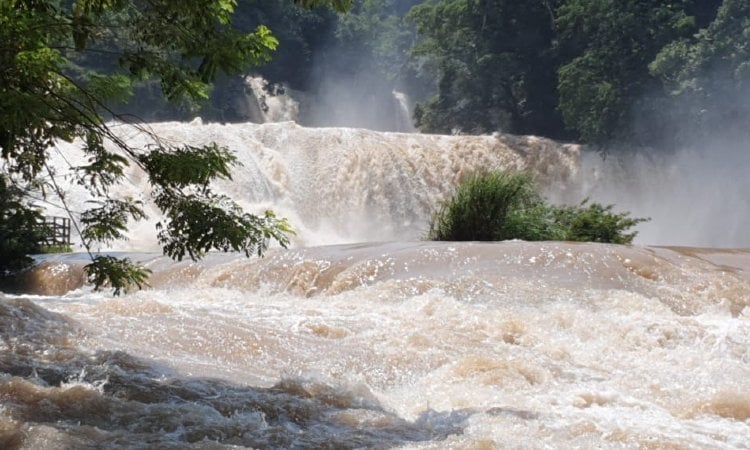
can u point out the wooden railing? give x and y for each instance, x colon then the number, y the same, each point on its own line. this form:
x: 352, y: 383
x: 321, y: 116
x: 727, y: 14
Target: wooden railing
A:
x: 56, y: 231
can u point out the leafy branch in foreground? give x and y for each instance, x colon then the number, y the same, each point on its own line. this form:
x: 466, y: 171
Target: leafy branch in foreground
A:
x: 63, y: 63
x: 109, y: 221
x: 198, y: 220
x: 188, y: 165
x: 229, y: 229
x: 497, y: 206
x: 121, y: 274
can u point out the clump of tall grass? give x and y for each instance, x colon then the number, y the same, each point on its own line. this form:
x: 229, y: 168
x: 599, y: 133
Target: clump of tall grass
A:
x: 496, y: 206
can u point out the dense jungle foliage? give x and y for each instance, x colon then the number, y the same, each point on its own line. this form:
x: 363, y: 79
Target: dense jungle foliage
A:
x: 636, y: 72
x: 647, y: 73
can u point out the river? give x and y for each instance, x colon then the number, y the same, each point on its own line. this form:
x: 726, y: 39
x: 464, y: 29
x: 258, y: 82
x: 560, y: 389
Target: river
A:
x: 363, y: 336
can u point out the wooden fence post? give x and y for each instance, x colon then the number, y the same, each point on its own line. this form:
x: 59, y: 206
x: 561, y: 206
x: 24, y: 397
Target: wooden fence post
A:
x: 56, y: 231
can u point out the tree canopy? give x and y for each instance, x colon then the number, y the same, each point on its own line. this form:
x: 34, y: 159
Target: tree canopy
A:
x: 490, y: 56
x: 633, y: 71
x: 708, y: 74
x: 63, y: 63
x: 598, y: 71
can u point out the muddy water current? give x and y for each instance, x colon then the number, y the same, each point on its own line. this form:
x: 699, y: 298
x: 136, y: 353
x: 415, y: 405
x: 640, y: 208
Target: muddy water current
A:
x: 392, y: 345
x: 402, y: 344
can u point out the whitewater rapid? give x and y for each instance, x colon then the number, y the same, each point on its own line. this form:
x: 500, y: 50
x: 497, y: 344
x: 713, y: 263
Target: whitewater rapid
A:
x: 407, y: 345
x: 363, y: 336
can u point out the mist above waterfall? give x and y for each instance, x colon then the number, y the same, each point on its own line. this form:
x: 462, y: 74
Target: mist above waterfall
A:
x: 692, y: 183
x: 694, y: 196
x: 361, y: 100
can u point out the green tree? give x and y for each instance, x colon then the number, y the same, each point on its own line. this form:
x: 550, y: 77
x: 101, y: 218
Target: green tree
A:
x: 707, y: 75
x: 495, y: 66
x: 608, y: 45
x: 302, y: 33
x: 378, y: 28
x: 46, y: 96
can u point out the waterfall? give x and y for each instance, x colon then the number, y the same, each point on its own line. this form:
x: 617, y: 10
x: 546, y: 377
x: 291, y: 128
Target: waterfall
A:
x: 404, y: 120
x: 271, y: 102
x: 339, y: 185
x: 331, y: 106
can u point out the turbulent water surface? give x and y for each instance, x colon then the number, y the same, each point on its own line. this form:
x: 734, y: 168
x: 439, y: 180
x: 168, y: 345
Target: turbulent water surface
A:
x: 337, y: 185
x: 401, y: 344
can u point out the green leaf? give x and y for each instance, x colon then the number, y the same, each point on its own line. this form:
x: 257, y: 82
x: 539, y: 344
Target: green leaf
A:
x: 338, y: 5
x: 104, y: 168
x: 180, y: 167
x: 121, y: 275
x: 197, y: 224
x: 109, y: 221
